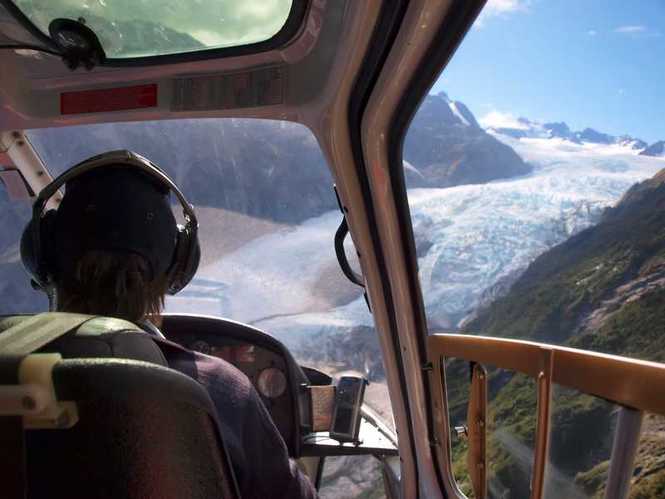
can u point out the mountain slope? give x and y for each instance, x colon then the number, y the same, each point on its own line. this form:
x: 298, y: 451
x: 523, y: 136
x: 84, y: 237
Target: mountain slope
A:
x: 656, y: 149
x: 249, y: 166
x: 254, y: 166
x: 603, y: 289
x: 576, y: 286
x: 18, y: 295
x: 446, y: 147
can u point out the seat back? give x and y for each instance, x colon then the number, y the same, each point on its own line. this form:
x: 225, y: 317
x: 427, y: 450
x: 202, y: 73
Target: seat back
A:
x: 144, y: 431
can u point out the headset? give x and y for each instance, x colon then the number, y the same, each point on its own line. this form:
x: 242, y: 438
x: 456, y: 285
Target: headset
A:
x: 35, y: 255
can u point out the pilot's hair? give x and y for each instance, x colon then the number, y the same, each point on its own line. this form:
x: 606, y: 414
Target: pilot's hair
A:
x: 115, y: 284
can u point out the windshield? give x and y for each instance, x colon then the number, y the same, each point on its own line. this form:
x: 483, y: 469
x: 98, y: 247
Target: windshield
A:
x: 267, y: 255
x: 128, y: 28
x: 268, y: 214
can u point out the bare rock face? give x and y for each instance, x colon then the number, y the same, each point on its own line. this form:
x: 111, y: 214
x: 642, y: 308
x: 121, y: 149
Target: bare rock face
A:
x: 446, y: 147
x: 352, y: 476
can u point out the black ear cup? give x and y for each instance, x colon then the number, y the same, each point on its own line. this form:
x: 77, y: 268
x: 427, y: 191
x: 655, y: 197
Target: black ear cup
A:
x: 38, y: 258
x: 186, y: 258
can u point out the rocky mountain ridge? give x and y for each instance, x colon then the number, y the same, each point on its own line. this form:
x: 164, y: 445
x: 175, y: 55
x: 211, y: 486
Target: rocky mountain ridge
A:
x: 253, y: 167
x: 525, y: 128
x: 445, y: 147
x: 656, y: 149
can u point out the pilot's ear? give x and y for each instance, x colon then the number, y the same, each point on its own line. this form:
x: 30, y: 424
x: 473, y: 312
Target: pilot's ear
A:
x: 39, y: 261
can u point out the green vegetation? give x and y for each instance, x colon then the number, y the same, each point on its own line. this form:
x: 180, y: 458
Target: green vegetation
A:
x: 560, y: 288
x: 602, y: 290
x: 593, y: 481
x: 653, y: 486
x: 635, y: 330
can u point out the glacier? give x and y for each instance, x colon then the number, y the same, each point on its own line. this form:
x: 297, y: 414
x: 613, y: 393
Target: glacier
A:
x: 481, y: 235
x: 470, y: 239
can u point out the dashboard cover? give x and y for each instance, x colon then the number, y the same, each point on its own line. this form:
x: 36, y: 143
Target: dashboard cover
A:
x: 267, y: 363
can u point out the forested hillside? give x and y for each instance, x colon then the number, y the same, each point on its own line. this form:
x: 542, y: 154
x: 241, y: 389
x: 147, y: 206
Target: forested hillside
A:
x: 603, y: 289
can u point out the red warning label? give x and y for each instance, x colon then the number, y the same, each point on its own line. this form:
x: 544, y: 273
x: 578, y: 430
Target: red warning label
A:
x: 109, y: 99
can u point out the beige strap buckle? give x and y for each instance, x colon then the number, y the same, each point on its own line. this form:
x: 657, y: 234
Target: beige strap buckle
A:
x: 34, y: 398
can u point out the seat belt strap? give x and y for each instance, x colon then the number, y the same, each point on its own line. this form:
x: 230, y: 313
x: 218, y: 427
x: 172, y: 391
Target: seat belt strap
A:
x: 38, y: 331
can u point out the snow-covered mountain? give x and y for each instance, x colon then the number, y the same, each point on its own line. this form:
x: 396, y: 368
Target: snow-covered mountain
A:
x: 657, y: 149
x: 525, y: 128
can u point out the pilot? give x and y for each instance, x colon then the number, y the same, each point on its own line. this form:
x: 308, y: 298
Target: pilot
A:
x: 114, y: 241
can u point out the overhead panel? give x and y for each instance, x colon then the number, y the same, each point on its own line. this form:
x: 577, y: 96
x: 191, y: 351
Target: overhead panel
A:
x: 260, y: 87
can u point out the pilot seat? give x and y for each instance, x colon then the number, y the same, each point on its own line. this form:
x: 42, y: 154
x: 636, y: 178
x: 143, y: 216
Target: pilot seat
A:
x: 89, y: 408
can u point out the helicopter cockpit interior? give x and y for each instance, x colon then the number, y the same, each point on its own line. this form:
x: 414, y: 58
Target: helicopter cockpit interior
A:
x: 334, y: 273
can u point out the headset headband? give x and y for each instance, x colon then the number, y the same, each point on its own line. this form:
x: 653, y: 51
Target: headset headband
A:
x: 121, y: 158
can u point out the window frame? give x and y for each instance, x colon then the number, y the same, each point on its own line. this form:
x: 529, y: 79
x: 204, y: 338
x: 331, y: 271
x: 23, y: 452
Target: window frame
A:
x: 293, y: 24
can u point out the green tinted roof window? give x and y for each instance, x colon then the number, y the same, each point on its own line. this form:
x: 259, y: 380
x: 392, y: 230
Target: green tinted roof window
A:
x: 143, y: 28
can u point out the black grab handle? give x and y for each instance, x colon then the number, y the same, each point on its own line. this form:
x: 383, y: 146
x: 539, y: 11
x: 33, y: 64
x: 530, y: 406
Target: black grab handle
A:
x: 340, y: 236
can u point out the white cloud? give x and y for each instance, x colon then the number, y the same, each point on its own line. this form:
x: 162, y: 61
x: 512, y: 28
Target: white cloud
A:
x: 497, y: 119
x: 632, y: 29
x: 500, y: 7
x: 637, y: 31
x: 592, y: 32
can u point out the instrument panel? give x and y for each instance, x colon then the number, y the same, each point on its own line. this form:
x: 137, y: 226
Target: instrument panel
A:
x: 264, y: 360
x: 265, y: 370
x: 291, y: 393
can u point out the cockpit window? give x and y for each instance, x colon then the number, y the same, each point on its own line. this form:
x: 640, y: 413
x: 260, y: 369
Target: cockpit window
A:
x: 18, y: 296
x: 267, y: 211
x: 523, y: 167
x: 536, y: 184
x: 267, y: 256
x: 128, y: 29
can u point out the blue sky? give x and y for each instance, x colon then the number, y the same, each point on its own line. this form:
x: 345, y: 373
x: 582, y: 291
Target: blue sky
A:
x: 590, y: 63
